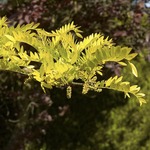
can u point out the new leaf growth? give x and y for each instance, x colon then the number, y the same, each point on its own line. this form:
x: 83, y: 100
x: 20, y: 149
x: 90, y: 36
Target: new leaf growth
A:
x: 60, y: 60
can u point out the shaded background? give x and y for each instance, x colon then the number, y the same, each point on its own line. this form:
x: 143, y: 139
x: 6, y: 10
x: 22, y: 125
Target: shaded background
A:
x: 32, y: 120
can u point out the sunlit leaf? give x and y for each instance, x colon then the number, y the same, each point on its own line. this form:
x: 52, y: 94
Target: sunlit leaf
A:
x: 11, y: 38
x: 141, y: 101
x: 134, y: 70
x: 57, y: 59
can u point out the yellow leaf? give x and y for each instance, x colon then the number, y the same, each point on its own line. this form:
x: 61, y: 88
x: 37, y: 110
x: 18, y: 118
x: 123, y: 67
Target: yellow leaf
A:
x: 37, y: 76
x: 79, y: 35
x: 118, y: 80
x: 11, y: 38
x: 134, y: 70
x: 108, y: 82
x: 74, y: 57
x: 99, y: 72
x: 122, y: 63
x: 133, y: 87
x: 127, y: 95
x: 131, y: 56
x: 141, y: 101
x: 140, y: 95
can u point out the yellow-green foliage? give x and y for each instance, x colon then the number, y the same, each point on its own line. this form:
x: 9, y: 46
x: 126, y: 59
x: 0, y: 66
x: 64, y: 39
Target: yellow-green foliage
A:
x: 62, y: 59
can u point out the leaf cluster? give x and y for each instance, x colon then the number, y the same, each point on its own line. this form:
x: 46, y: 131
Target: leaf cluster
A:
x: 62, y: 59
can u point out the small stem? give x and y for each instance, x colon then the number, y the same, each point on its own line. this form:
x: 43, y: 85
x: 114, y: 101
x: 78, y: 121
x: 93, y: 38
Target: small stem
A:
x: 77, y: 83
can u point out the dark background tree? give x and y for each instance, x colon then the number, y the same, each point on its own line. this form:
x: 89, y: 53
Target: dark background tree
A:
x: 32, y: 120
